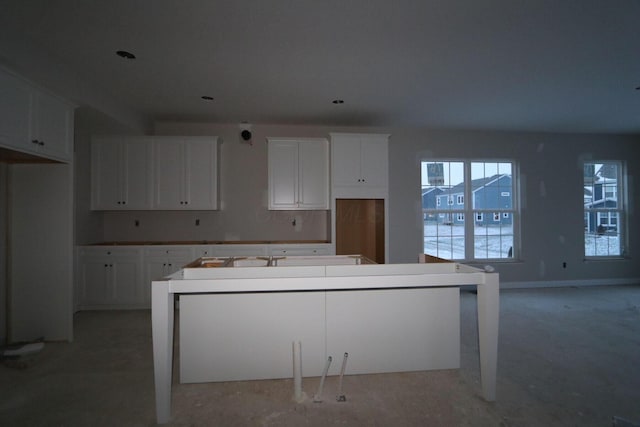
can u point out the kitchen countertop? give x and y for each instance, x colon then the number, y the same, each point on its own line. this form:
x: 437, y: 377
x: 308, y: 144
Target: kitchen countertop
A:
x: 208, y: 242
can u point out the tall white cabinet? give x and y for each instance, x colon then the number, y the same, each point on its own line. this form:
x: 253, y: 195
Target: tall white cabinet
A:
x: 36, y: 127
x: 359, y: 194
x: 298, y: 173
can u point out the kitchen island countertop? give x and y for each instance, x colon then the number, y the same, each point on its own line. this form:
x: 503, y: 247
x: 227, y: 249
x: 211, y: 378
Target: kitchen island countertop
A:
x: 207, y: 242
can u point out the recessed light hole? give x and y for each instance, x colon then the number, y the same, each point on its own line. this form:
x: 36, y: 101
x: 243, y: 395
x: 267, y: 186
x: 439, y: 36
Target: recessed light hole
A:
x: 125, y: 54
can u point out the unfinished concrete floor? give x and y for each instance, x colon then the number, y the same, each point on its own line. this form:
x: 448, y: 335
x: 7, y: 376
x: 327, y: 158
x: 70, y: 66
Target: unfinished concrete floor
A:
x: 567, y: 357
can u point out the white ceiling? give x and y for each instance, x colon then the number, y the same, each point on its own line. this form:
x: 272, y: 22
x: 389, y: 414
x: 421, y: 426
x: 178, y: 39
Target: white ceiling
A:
x: 532, y: 65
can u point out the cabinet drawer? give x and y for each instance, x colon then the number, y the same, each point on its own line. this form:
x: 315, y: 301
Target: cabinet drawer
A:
x: 169, y: 251
x: 105, y: 251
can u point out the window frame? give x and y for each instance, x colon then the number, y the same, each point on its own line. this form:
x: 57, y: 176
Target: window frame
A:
x: 615, y: 217
x: 473, y: 216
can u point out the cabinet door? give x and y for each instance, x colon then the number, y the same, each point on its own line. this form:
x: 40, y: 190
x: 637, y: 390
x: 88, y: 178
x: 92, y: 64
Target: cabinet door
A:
x: 374, y: 161
x: 15, y: 108
x: 105, y: 175
x: 136, y: 173
x: 124, y: 282
x: 52, y: 122
x: 359, y: 165
x: 169, y: 175
x: 313, y: 175
x: 201, y: 183
x: 94, y: 283
x: 283, y: 174
x: 346, y: 161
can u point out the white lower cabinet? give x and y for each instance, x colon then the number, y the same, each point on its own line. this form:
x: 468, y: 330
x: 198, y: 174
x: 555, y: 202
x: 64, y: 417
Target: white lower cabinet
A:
x: 109, y: 278
x: 119, y: 277
x: 162, y: 261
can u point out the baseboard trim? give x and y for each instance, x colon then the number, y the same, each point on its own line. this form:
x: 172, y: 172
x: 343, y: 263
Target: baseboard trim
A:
x: 570, y: 283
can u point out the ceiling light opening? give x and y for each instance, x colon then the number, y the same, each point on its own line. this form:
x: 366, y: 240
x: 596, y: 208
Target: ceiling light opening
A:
x: 125, y: 54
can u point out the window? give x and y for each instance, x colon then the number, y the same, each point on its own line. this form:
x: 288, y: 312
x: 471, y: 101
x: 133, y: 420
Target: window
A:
x: 481, y: 228
x: 604, y: 209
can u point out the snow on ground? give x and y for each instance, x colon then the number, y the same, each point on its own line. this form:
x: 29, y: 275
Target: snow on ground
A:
x: 494, y: 242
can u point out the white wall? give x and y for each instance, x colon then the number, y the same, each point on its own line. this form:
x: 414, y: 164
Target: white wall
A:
x: 552, y: 199
x: 41, y: 252
x: 552, y: 225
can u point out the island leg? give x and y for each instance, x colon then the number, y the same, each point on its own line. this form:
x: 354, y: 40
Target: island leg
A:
x: 488, y: 319
x: 162, y: 328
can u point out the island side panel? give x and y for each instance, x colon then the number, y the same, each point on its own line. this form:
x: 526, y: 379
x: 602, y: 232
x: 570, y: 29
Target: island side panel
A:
x: 248, y: 336
x: 394, y: 330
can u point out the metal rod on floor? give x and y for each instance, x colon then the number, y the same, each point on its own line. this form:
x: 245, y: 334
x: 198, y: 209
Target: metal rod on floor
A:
x: 297, y: 371
x: 318, y: 396
x: 341, y: 397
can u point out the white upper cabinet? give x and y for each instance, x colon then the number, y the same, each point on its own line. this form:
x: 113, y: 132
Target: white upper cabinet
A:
x: 359, y: 165
x: 34, y: 121
x: 186, y: 173
x: 15, y: 111
x: 121, y: 173
x: 52, y: 126
x: 298, y: 173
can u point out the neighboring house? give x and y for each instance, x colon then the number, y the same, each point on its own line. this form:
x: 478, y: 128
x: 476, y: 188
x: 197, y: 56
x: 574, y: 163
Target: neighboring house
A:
x: 492, y: 193
x: 429, y: 202
x: 603, y: 196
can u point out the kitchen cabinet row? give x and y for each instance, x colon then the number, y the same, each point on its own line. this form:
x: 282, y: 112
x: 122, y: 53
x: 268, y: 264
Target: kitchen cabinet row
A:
x: 34, y: 121
x: 302, y: 174
x: 119, y: 277
x: 181, y: 173
x: 155, y: 173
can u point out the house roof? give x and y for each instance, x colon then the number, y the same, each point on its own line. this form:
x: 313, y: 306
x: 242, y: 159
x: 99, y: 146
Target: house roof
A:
x: 463, y: 64
x: 608, y: 170
x: 476, y: 184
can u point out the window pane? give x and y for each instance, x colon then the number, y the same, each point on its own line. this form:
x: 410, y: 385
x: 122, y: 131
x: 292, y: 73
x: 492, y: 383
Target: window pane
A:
x: 442, y: 192
x: 491, y: 240
x: 444, y: 241
x: 446, y: 209
x: 491, y: 185
x: 602, y: 209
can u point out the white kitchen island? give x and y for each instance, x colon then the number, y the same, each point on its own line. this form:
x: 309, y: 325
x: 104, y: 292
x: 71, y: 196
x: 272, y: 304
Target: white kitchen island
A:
x: 239, y: 318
